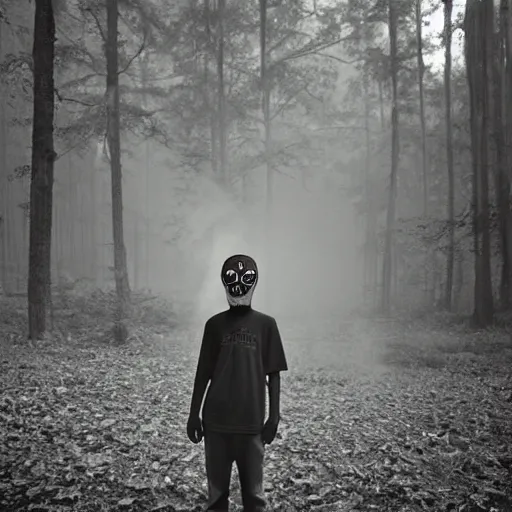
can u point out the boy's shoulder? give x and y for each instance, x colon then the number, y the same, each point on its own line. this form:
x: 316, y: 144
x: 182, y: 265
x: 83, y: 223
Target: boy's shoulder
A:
x: 215, y: 318
x: 262, y: 317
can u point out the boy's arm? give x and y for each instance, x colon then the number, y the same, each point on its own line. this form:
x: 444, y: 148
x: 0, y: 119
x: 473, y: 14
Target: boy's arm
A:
x: 274, y: 396
x: 204, y: 371
x: 200, y: 385
x: 274, y: 363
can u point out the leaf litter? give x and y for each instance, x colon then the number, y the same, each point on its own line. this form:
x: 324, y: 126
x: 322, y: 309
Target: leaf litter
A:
x: 91, y: 427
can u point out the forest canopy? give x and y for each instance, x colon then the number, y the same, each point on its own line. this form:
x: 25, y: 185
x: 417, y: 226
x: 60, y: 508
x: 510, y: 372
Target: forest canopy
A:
x: 307, y: 132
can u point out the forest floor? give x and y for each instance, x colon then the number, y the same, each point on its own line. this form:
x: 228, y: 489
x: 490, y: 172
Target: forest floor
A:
x: 376, y: 415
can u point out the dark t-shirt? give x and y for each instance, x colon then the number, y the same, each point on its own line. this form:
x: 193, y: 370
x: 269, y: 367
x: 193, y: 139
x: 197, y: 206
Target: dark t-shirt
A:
x: 239, y: 348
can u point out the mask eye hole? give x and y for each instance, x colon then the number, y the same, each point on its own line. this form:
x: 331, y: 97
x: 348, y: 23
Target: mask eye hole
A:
x: 249, y: 277
x: 230, y: 277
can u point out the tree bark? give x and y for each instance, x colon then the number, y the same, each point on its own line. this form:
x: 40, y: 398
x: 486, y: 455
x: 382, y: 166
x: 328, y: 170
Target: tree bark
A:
x: 114, y: 144
x: 424, y: 163
x: 265, y: 101
x: 370, y: 246
x: 43, y: 158
x: 505, y: 83
x: 265, y: 87
x: 502, y: 179
x: 221, y: 95
x: 478, y: 17
x: 147, y: 170
x: 395, y: 148
x: 381, y: 105
x: 208, y: 106
x: 421, y: 71
x: 448, y: 8
x: 3, y: 182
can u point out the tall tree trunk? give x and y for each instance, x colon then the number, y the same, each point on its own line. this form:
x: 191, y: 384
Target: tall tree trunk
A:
x: 208, y: 106
x: 370, y: 246
x: 93, y: 202
x: 84, y: 254
x: 265, y: 86
x: 114, y: 144
x: 265, y: 101
x: 221, y: 95
x: 3, y: 182
x: 458, y: 280
x: 478, y: 16
x: 381, y: 105
x: 71, y: 218
x: 424, y: 169
x: 395, y: 148
x: 507, y: 29
x: 369, y: 236
x: 136, y: 245
x: 147, y: 165
x: 448, y: 7
x: 502, y: 179
x: 43, y: 158
x: 505, y: 84
x: 421, y: 71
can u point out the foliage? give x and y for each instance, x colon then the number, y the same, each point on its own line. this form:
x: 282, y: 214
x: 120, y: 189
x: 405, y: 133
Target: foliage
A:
x: 90, y: 426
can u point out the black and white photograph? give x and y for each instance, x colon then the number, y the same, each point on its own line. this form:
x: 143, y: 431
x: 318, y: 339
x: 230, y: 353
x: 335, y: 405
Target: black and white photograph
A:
x: 256, y: 255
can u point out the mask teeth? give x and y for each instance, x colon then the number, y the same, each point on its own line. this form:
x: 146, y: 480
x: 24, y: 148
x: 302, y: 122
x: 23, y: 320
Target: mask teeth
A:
x: 245, y: 300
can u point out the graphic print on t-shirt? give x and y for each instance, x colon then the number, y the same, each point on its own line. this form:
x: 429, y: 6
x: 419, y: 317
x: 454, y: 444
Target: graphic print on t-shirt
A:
x: 241, y: 337
x: 244, y: 346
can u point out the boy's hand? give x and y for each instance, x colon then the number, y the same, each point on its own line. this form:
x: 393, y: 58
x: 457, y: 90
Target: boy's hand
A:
x: 194, y: 429
x: 269, y: 430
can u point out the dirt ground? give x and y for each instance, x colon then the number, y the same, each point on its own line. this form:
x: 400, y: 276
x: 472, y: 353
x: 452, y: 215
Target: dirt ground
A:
x: 376, y: 415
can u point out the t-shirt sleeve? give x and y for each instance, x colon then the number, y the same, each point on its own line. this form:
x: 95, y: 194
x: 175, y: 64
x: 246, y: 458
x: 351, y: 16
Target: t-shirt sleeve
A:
x: 274, y: 359
x: 208, y: 352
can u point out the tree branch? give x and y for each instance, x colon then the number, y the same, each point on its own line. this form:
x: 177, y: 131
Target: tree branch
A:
x: 73, y: 100
x: 130, y: 61
x: 311, y: 50
x: 98, y: 24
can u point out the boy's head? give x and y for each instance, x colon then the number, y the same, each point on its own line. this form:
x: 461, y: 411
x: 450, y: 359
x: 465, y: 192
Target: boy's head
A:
x: 239, y: 276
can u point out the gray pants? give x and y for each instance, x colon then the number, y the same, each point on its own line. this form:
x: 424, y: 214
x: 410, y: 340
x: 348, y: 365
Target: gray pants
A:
x: 221, y: 450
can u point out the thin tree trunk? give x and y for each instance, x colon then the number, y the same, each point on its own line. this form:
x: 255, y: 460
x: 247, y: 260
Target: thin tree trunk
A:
x: 424, y: 169
x: 114, y: 143
x: 43, y: 158
x: 507, y: 29
x: 367, y: 197
x: 448, y: 7
x: 147, y: 159
x: 421, y: 71
x: 84, y: 254
x: 395, y: 148
x: 478, y: 28
x: 221, y: 95
x: 265, y: 86
x: 208, y: 107
x: 381, y: 105
x: 93, y: 239
x: 57, y: 236
x: 459, y: 280
x: 3, y: 181
x: 370, y: 246
x: 265, y: 102
x: 505, y: 84
x: 136, y: 251
x: 502, y: 183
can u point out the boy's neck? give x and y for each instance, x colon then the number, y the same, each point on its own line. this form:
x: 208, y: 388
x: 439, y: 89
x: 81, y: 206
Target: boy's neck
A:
x: 240, y: 309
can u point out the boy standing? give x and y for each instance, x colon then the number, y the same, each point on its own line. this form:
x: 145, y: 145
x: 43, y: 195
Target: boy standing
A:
x: 240, y: 348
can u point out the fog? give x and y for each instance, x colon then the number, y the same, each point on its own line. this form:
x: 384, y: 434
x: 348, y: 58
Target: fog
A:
x: 180, y: 225
x: 308, y: 254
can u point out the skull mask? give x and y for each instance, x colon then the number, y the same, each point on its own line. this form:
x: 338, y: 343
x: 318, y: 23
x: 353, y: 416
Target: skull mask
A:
x: 239, y: 276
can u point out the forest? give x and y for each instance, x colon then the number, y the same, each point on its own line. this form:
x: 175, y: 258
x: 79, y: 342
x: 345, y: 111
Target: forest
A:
x: 359, y: 150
